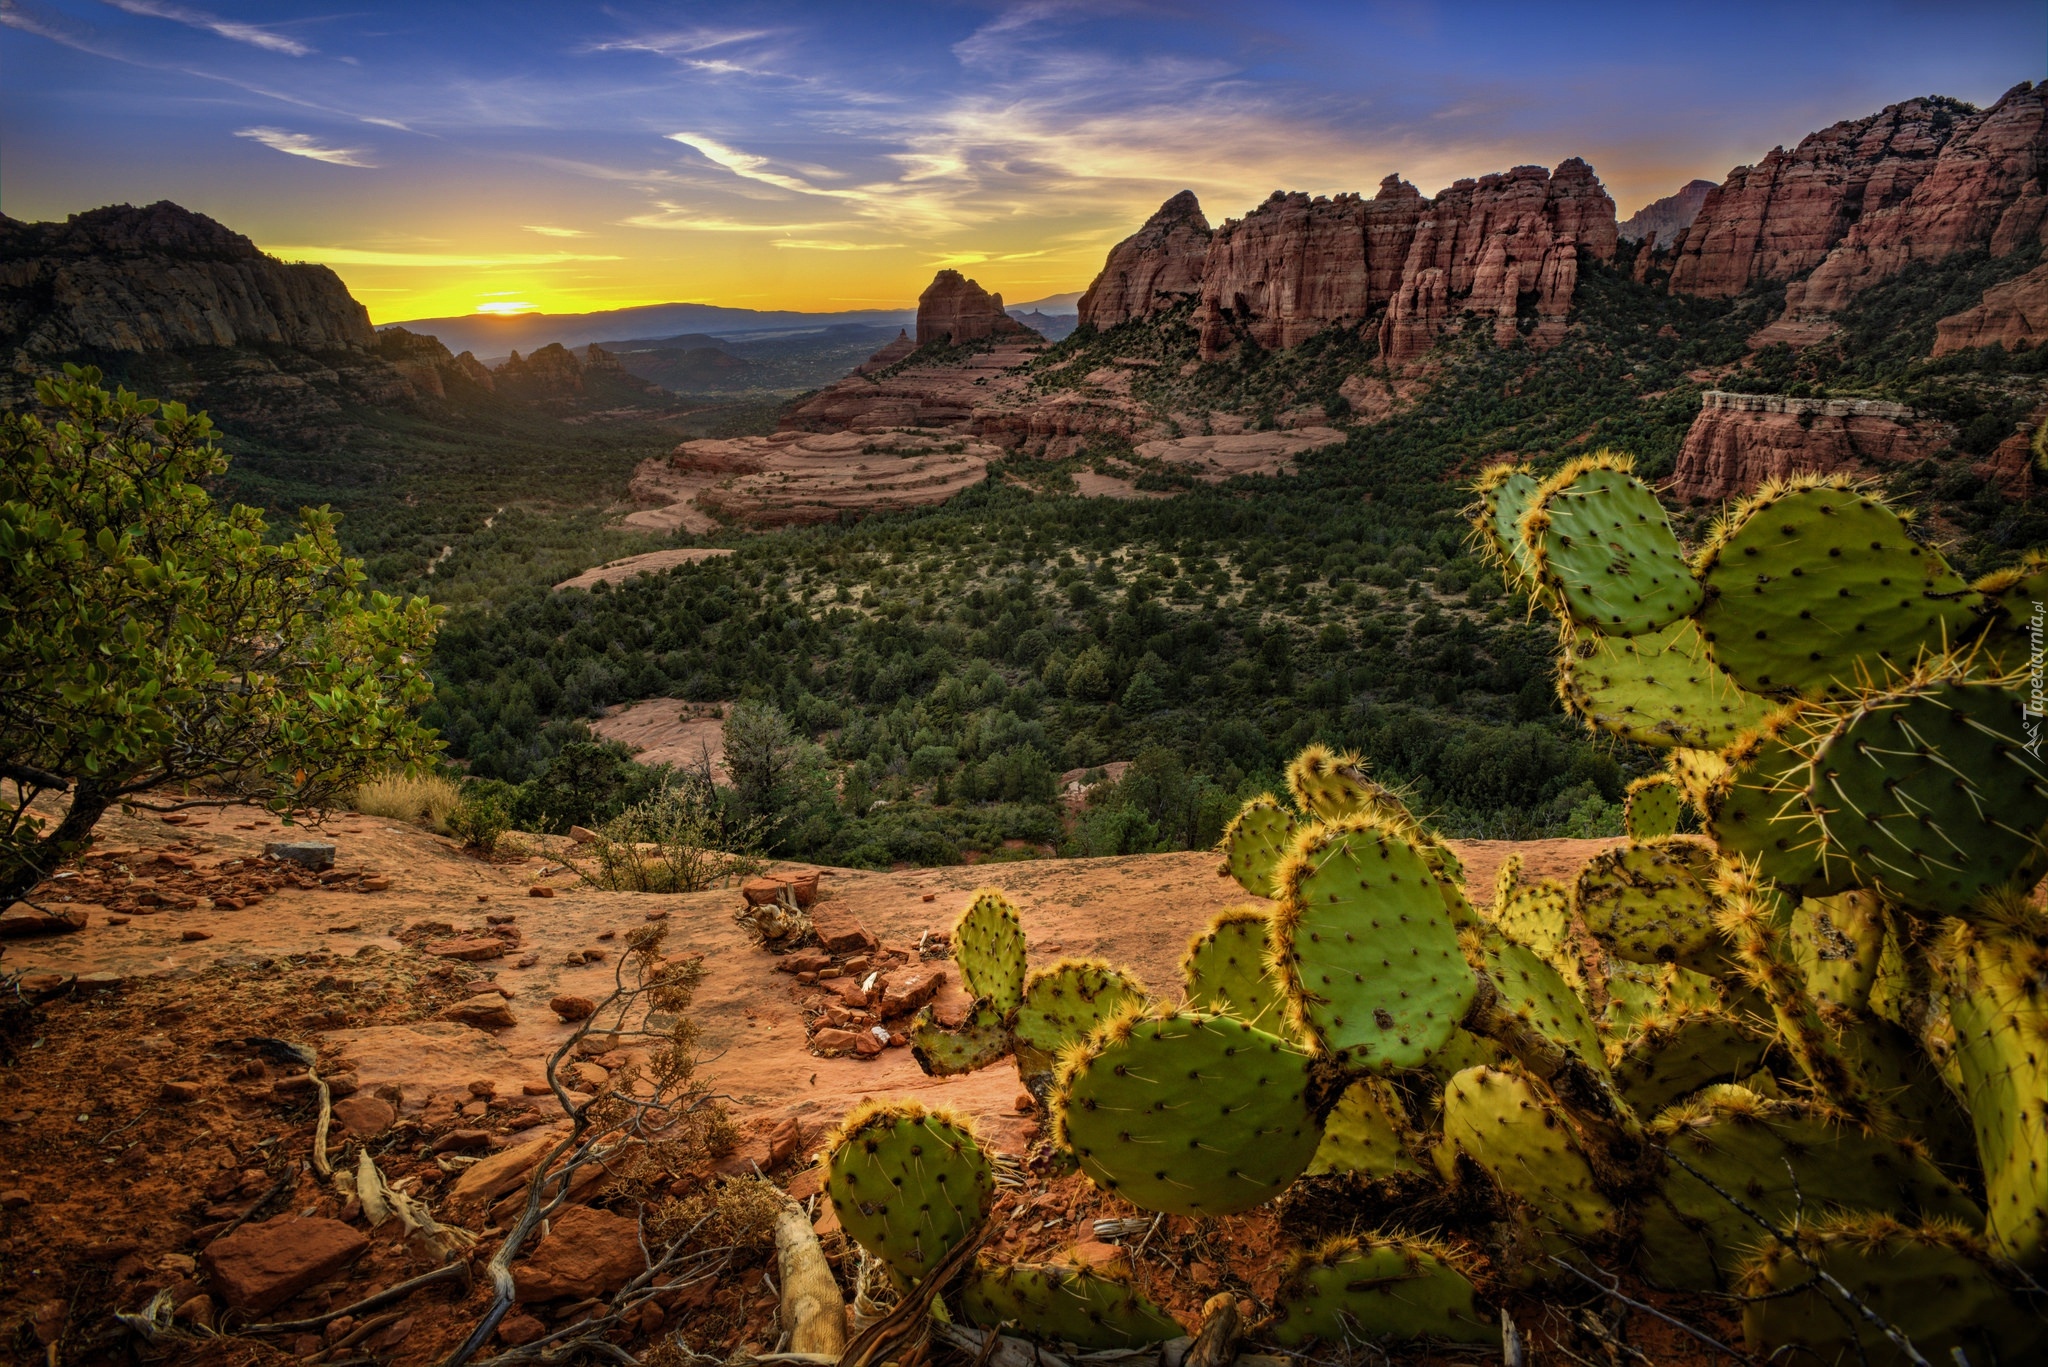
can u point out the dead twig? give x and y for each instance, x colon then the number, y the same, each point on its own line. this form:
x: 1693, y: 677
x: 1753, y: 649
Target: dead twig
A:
x: 445, y: 1272
x: 1615, y: 1292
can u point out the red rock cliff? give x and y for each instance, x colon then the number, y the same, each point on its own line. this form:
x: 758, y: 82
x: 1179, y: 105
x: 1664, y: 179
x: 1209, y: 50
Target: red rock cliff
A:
x: 1153, y: 267
x: 955, y: 309
x: 2014, y: 314
x: 1855, y: 202
x: 1740, y: 440
x: 1661, y: 221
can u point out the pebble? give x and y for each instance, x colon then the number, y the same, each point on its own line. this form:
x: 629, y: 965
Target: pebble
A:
x: 192, y: 936
x: 179, y: 1092
x: 540, y: 890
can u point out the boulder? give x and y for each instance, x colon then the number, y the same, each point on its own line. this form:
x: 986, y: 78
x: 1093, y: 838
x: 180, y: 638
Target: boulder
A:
x: 487, y: 1180
x: 586, y: 1253
x: 759, y: 892
x: 261, y: 1266
x: 485, y: 1013
x: 839, y: 931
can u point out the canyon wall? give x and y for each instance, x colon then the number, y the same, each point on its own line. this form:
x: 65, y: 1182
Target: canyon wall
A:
x: 161, y: 278
x: 1740, y: 440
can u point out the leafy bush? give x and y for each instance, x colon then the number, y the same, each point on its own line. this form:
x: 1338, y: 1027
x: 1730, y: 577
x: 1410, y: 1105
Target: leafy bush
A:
x: 481, y: 821
x: 679, y: 840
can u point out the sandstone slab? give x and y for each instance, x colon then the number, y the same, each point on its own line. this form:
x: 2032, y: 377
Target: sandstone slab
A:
x: 261, y: 1266
x: 587, y: 1253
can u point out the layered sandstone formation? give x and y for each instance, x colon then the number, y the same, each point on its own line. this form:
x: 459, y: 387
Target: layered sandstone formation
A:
x: 944, y: 394
x: 161, y: 278
x: 1214, y: 459
x: 2014, y: 315
x: 888, y: 355
x: 1153, y: 268
x: 803, y: 477
x: 1740, y: 440
x: 954, y: 310
x: 1857, y: 202
x: 1664, y: 219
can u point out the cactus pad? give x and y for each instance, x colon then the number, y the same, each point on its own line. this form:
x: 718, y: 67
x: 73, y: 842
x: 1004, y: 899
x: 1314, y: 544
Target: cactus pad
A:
x: 1536, y: 992
x: 1773, y: 1156
x: 1666, y: 1057
x: 1539, y: 915
x: 1603, y: 548
x: 1374, y: 1288
x: 1365, y: 950
x: 1998, y: 1002
x: 1063, y: 1004
x: 1330, y: 785
x: 1066, y: 1304
x: 1816, y: 587
x: 1648, y: 901
x: 988, y: 942
x: 1255, y: 842
x: 1658, y: 689
x: 1226, y: 969
x: 1653, y: 806
x: 1525, y: 1145
x: 1931, y: 796
x: 982, y: 1041
x: 1755, y: 807
x: 2005, y: 601
x: 1837, y: 943
x: 1363, y: 1134
x: 1506, y: 493
x: 1935, y: 1283
x: 1185, y: 1112
x: 907, y: 1184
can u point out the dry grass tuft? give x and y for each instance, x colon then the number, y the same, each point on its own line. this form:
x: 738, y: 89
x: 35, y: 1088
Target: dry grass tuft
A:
x: 423, y: 799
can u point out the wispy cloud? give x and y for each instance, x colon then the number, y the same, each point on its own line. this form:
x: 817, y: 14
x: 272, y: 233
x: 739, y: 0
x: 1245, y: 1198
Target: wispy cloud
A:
x: 744, y: 163
x: 815, y: 244
x: 252, y: 34
x: 546, y: 231
x: 679, y: 218
x: 361, y: 256
x: 306, y: 145
x: 682, y: 42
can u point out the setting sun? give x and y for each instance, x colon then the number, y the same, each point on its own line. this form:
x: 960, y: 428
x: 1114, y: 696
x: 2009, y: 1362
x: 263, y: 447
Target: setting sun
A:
x: 506, y: 308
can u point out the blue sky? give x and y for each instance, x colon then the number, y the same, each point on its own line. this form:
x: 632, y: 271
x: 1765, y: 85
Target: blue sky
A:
x: 447, y: 157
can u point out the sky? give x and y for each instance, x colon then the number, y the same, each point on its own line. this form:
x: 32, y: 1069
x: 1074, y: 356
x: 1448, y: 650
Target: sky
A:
x: 449, y: 158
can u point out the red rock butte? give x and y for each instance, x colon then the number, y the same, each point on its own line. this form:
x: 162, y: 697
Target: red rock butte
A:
x: 956, y: 310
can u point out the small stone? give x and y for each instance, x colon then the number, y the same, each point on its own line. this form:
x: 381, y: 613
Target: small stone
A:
x: 364, y: 1117
x: 608, y: 935
x: 118, y: 920
x: 587, y: 1252
x: 462, y: 1141
x: 783, y: 1142
x: 197, y: 1311
x: 540, y: 890
x: 760, y: 892
x: 839, y: 931
x: 468, y: 948
x: 193, y: 936
x: 485, y: 1013
x: 588, y: 1077
x: 514, y: 1330
x: 906, y: 989
x: 484, y: 1088
x: 14, y: 1198
x: 311, y: 854
x: 500, y: 918
x: 804, y: 961
x: 526, y: 961
x: 833, y: 1043
x: 866, y: 1045
x: 807, y: 979
x: 375, y: 884
x: 535, y: 1089
x: 572, y: 1008
x: 339, y: 1329
x: 931, y: 897
x: 583, y: 835
x: 179, y: 1092
x: 1026, y: 1103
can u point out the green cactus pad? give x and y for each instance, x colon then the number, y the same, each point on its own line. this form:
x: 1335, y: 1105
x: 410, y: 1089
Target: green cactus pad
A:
x: 1667, y: 1057
x: 1226, y: 969
x: 1065, y: 1304
x: 1815, y: 588
x: 1603, y: 549
x: 1498, y: 1119
x: 1363, y: 1134
x: 2005, y: 601
x: 1931, y: 795
x: 1185, y: 1112
x: 988, y: 943
x: 907, y: 1184
x: 1648, y: 901
x: 1539, y: 915
x: 1755, y: 807
x: 1062, y: 1004
x: 1837, y: 943
x: 1653, y: 806
x: 1536, y: 992
x: 1771, y: 1155
x: 982, y: 1041
x: 1255, y: 842
x: 1999, y: 1006
x: 1373, y: 1288
x: 1657, y: 689
x: 1506, y: 493
x: 1936, y: 1284
x: 1633, y: 993
x: 1466, y: 1050
x: 1365, y: 950
x: 1330, y: 785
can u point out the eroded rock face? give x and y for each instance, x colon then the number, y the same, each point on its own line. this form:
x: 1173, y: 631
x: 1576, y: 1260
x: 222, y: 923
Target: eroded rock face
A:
x: 1740, y: 440
x: 1662, y: 220
x: 1153, y: 268
x: 1856, y: 202
x: 162, y: 278
x: 802, y: 477
x: 955, y: 309
x: 887, y: 356
x: 2014, y: 314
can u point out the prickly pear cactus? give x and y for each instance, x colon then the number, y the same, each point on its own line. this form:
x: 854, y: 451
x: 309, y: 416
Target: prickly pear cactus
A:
x: 1838, y: 943
x: 1776, y: 1157
x: 1666, y: 1057
x: 1506, y: 493
x: 1658, y: 689
x: 1226, y: 969
x: 1364, y: 1134
x: 1185, y: 1112
x: 1365, y: 950
x: 1255, y: 842
x: 1931, y: 795
x: 988, y: 944
x: 1498, y: 1119
x: 1063, y: 1003
x: 981, y: 1042
x: 1652, y: 807
x: 2005, y: 600
x: 1378, y: 1288
x: 1603, y: 549
x: 1815, y: 586
x: 1537, y: 993
x: 1539, y: 915
x: 1052, y: 1303
x: 1648, y: 901
x: 1936, y: 1283
x: 1329, y: 785
x: 1755, y: 804
x: 907, y: 1184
